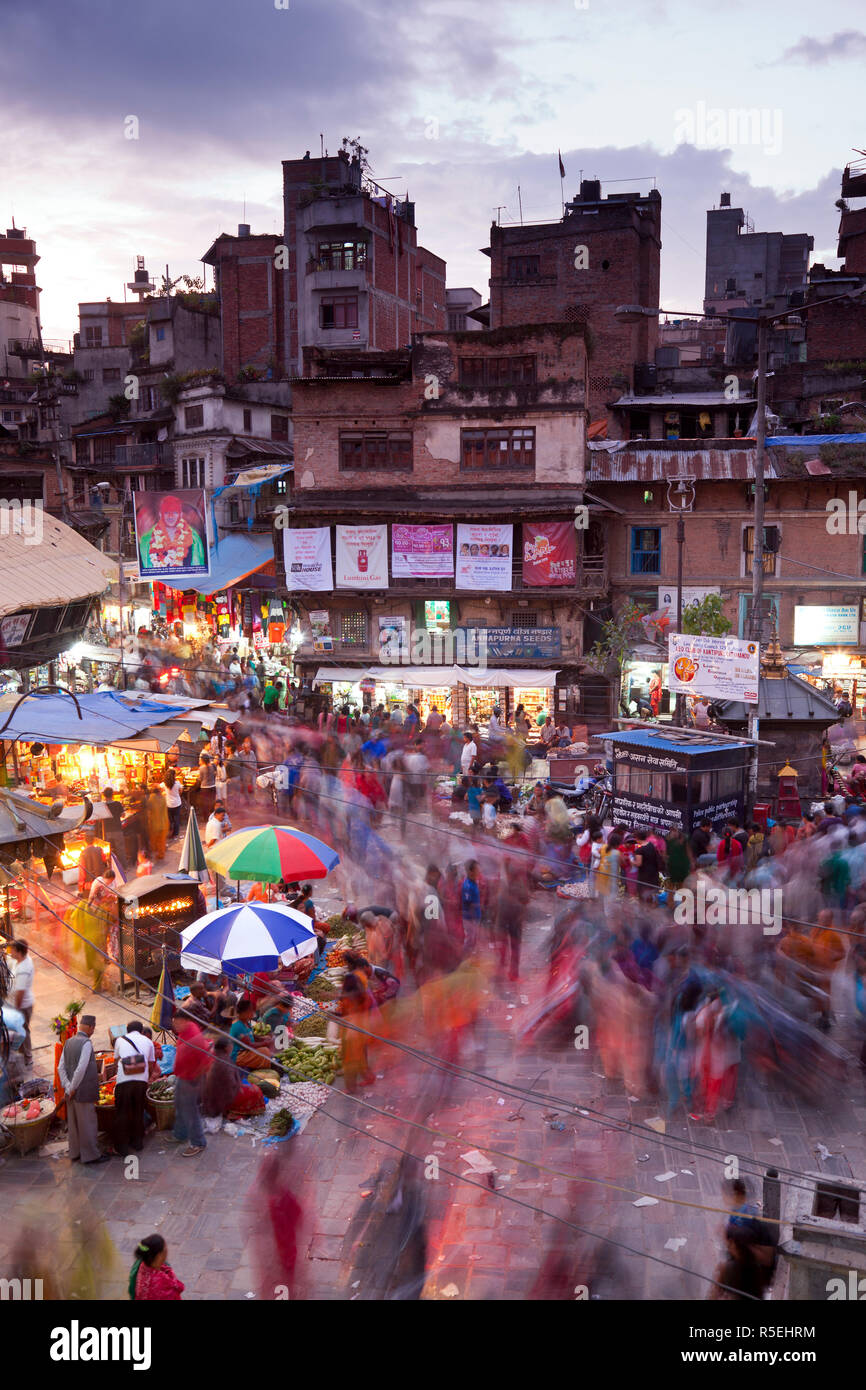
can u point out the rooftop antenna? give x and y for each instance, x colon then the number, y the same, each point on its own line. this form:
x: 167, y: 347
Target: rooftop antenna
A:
x: 520, y: 204
x: 322, y: 144
x: 500, y: 208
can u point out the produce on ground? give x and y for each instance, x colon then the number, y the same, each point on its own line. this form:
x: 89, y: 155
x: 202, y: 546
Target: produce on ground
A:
x: 341, y: 926
x: 162, y: 1089
x: 322, y: 988
x: 313, y: 1026
x: 281, y: 1122
x: 260, y: 1029
x: 311, y: 1064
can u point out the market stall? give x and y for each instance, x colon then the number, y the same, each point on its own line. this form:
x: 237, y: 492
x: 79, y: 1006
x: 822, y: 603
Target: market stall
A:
x: 152, y: 912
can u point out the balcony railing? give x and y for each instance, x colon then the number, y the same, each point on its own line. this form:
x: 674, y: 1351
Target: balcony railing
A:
x: 143, y: 456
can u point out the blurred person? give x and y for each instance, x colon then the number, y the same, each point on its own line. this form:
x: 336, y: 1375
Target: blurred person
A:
x: 172, y: 791
x: 278, y: 1226
x: 21, y: 992
x: 192, y: 1059
x: 151, y: 1278
x: 79, y: 1077
x: 156, y: 813
x: 92, y: 861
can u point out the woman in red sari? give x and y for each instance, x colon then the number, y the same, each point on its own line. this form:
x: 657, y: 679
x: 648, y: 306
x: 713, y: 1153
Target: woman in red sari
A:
x: 151, y: 1279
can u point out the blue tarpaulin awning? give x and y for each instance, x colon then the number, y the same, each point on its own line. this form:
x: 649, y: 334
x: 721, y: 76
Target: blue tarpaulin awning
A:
x: 106, y: 716
x: 232, y: 560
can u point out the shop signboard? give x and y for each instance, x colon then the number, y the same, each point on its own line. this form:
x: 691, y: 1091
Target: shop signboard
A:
x: 422, y: 552
x: 549, y: 553
x: 12, y: 629
x: 528, y: 643
x: 362, y: 557
x: 644, y: 783
x: 484, y: 555
x: 307, y: 554
x: 725, y: 668
x: 817, y: 626
x: 320, y: 623
x: 171, y: 535
x: 393, y: 637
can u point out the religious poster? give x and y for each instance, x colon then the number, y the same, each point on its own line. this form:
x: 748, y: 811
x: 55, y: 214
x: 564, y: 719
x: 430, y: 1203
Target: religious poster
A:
x: 171, y: 535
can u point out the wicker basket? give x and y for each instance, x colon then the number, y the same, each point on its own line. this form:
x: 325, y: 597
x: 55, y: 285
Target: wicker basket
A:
x: 27, y: 1135
x: 162, y: 1111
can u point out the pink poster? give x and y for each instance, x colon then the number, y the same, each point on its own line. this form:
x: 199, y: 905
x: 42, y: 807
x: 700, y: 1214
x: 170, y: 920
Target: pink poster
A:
x: 422, y: 551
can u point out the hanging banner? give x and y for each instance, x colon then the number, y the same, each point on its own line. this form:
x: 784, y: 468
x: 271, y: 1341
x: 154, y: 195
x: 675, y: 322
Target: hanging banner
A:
x: 362, y: 557
x: 307, y: 555
x: 724, y: 668
x: 422, y: 552
x: 484, y: 555
x: 171, y: 535
x: 549, y: 553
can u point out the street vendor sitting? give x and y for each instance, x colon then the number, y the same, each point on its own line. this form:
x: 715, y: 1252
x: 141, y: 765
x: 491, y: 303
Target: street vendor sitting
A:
x: 247, y: 1049
x: 278, y: 1013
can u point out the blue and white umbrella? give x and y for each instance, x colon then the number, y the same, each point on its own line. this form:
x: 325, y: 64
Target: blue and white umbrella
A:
x: 247, y: 938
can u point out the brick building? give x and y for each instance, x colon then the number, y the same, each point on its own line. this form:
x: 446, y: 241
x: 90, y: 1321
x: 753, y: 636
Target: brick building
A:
x: 605, y: 252
x: 474, y: 429
x: 252, y: 302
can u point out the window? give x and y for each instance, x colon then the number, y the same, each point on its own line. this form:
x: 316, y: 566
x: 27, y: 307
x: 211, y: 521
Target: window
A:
x: 89, y: 374
x: 93, y: 336
x: 111, y: 374
x: 770, y: 615
x: 160, y: 335
x: 376, y: 449
x: 524, y: 619
x: 103, y: 451
x: 456, y: 323
x: 280, y: 427
x: 339, y: 313
x: 497, y: 371
x: 193, y: 417
x: 341, y: 255
x: 151, y: 398
x: 353, y: 629
x: 646, y: 550
x: 772, y: 537
x: 192, y: 472
x: 498, y: 448
x: 522, y: 267
x: 248, y: 422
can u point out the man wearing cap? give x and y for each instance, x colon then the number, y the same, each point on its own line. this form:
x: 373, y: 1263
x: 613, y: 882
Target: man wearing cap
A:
x: 79, y: 1078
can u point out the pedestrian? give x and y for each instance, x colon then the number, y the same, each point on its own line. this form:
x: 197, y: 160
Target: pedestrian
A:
x: 470, y: 904
x: 206, y: 787
x: 214, y: 831
x: 249, y: 766
x: 192, y: 1060
x: 647, y: 863
x: 21, y: 997
x: 134, y: 1054
x: 92, y: 861
x: 156, y: 813
x: 151, y: 1278
x: 79, y: 1078
x: 468, y: 753
x: 114, y: 832
x: 171, y: 790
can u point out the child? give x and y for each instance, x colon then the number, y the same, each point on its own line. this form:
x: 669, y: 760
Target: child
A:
x: 151, y: 1278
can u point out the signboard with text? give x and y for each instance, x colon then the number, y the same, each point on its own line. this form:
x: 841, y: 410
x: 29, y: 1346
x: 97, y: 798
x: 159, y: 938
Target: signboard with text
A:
x: 724, y: 668
x: 528, y: 643
x: 815, y: 626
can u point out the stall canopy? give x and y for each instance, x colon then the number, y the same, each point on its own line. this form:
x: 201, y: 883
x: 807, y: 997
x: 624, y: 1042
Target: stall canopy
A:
x: 419, y: 677
x: 232, y: 560
x: 158, y: 738
x: 63, y: 568
x: 106, y: 717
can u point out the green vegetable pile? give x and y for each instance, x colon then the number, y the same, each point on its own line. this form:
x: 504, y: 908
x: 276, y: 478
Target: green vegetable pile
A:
x: 321, y: 988
x: 341, y: 926
x: 260, y: 1029
x: 310, y: 1063
x: 313, y: 1026
x: 281, y: 1122
x: 162, y: 1089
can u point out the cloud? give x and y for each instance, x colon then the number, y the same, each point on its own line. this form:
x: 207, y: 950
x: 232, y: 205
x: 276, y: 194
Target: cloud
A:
x: 815, y: 53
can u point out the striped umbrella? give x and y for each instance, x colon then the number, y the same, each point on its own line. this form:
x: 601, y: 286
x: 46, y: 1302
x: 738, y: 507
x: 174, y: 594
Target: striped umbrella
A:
x: 247, y: 938
x: 162, y: 1013
x: 192, y: 857
x: 268, y: 853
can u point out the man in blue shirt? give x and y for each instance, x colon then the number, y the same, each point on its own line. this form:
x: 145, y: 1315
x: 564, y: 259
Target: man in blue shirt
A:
x: 470, y: 904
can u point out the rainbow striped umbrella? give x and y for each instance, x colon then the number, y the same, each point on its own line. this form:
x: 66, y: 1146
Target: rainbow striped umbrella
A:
x: 268, y: 853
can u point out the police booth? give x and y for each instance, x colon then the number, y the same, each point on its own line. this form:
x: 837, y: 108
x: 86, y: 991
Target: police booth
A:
x: 664, y: 781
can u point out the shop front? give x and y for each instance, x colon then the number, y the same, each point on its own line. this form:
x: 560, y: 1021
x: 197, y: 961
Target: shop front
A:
x: 644, y: 687
x: 463, y: 694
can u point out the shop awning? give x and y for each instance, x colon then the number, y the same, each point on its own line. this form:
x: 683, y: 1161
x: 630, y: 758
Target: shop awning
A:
x: 232, y: 560
x: 421, y: 677
x: 158, y: 738
x: 61, y: 567
x: 106, y: 717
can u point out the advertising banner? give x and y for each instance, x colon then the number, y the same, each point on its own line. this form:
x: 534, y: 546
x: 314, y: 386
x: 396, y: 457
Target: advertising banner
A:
x: 484, y: 555
x: 549, y: 553
x: 815, y: 626
x: 528, y: 643
x: 362, y: 557
x: 691, y: 594
x: 725, y: 668
x: 171, y: 535
x: 320, y: 624
x: 307, y: 554
x: 422, y: 552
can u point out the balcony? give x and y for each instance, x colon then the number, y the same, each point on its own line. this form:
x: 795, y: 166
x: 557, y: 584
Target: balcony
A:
x: 133, y: 456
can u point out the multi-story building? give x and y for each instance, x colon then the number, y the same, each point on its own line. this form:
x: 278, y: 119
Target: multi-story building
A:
x: 745, y: 267
x: 463, y: 458
x: 604, y: 253
x: 461, y: 305
x: 355, y: 275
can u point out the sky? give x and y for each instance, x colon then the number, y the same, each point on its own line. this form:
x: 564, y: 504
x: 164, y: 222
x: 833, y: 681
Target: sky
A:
x: 459, y: 102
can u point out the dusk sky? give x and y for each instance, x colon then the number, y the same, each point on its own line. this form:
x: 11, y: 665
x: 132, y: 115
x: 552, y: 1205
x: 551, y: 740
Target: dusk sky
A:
x: 458, y: 101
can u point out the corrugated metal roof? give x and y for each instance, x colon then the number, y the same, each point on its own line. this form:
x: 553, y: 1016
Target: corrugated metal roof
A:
x: 54, y: 567
x: 666, y: 743
x: 693, y: 398
x: 651, y: 465
x: 268, y: 448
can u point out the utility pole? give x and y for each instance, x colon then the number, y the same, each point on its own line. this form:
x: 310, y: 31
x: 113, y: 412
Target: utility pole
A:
x: 757, y: 623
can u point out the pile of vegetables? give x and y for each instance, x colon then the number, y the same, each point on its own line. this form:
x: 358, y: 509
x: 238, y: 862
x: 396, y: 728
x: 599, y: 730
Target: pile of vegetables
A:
x: 106, y: 1093
x: 319, y: 1064
x: 322, y: 988
x: 162, y: 1089
x: 341, y: 926
x: 24, y: 1111
x: 260, y: 1029
x: 281, y: 1122
x: 313, y: 1026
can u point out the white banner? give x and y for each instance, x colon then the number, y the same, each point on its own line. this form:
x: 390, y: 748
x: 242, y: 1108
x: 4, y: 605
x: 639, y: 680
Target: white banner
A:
x: 362, y: 557
x: 725, y: 668
x: 484, y: 554
x: 307, y: 554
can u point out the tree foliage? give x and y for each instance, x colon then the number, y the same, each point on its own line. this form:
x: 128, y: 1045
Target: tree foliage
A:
x: 704, y: 618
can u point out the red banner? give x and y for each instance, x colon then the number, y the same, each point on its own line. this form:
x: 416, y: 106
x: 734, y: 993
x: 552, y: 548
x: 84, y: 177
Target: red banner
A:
x: 549, y: 553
